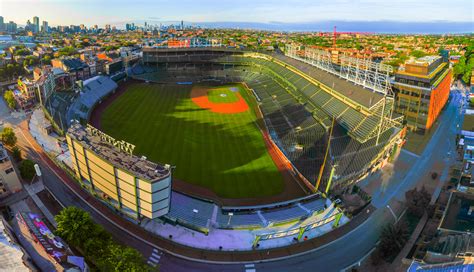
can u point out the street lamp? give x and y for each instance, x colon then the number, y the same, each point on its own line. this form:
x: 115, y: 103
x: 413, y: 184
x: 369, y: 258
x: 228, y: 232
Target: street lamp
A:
x: 391, y: 211
x: 195, y: 211
x: 230, y: 216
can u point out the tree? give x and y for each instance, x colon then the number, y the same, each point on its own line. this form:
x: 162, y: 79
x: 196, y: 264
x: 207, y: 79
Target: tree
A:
x: 27, y: 169
x: 120, y: 258
x: 8, y: 136
x: 417, y: 201
x: 78, y: 229
x: 392, y: 240
x: 46, y: 59
x: 99, y: 244
x: 74, y: 226
x: 10, y: 99
x: 16, y: 153
x: 418, y: 53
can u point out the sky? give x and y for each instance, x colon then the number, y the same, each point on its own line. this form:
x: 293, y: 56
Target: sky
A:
x: 260, y: 12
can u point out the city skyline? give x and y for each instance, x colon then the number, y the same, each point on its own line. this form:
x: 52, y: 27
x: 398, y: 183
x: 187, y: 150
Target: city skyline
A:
x: 279, y: 15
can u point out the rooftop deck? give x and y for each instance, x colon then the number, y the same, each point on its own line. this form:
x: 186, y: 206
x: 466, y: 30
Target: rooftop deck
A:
x: 142, y: 168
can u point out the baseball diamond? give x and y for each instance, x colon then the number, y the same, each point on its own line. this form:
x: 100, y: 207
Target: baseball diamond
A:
x: 213, y: 141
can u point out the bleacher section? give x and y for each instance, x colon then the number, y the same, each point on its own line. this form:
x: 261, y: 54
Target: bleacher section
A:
x: 277, y: 213
x: 238, y: 220
x: 94, y: 90
x: 189, y: 211
x: 197, y: 214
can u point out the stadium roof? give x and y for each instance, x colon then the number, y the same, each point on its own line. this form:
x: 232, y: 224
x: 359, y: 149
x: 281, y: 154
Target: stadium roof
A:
x: 74, y: 64
x: 358, y: 94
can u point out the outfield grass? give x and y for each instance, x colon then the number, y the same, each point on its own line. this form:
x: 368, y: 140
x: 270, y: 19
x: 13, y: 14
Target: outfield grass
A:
x: 223, y: 94
x: 223, y: 152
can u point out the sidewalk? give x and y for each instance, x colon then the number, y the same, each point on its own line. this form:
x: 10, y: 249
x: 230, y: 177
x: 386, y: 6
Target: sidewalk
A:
x: 243, y: 239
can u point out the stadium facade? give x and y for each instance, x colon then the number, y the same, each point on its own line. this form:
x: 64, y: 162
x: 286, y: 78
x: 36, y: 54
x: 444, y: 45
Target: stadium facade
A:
x: 108, y: 169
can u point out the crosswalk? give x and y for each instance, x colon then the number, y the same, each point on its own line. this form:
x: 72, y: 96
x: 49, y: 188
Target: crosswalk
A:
x: 250, y: 268
x: 154, y: 258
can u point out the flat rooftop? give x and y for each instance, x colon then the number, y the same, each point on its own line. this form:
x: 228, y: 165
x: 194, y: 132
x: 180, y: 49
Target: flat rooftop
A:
x: 459, y: 215
x: 426, y: 60
x: 468, y: 122
x: 357, y: 93
x: 141, y: 168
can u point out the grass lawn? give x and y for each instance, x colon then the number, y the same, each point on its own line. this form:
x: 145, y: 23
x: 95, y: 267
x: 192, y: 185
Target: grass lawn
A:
x: 223, y: 94
x: 223, y: 152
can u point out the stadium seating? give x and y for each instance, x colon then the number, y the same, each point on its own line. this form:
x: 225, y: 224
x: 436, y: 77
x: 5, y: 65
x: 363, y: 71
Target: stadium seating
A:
x: 190, y: 211
x: 239, y: 220
x: 93, y: 91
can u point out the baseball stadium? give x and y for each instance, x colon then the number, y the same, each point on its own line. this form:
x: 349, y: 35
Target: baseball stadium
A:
x: 252, y: 140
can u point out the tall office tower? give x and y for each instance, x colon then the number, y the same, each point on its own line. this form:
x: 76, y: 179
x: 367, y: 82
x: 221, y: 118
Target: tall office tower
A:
x: 182, y: 25
x: 11, y: 27
x: 2, y: 24
x: 36, y: 24
x: 45, y: 27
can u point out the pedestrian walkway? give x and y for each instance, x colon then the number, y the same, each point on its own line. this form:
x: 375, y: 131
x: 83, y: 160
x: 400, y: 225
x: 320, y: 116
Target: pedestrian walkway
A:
x: 243, y: 239
x: 250, y: 268
x: 154, y: 258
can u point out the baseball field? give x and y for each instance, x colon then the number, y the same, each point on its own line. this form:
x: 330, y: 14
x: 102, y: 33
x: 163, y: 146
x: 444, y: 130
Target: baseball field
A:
x: 208, y: 132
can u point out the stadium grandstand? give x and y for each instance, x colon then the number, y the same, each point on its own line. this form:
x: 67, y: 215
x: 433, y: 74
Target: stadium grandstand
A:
x: 64, y: 106
x: 332, y: 131
x: 92, y: 91
x: 299, y: 103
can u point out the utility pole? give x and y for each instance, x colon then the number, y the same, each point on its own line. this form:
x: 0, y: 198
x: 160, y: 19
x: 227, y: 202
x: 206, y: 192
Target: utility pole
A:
x: 381, y: 120
x: 325, y: 158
